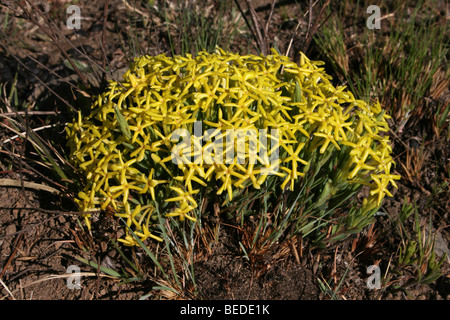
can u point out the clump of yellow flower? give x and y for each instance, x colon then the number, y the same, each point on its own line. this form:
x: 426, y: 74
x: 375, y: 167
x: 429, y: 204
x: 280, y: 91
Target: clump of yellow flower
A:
x: 125, y: 145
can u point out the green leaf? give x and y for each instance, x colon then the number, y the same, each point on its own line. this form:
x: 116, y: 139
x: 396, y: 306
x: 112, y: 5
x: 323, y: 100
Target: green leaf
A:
x: 245, y: 251
x: 108, y: 271
x: 123, y: 124
x: 297, y: 92
x: 124, y: 257
x: 80, y: 65
x: 339, y: 237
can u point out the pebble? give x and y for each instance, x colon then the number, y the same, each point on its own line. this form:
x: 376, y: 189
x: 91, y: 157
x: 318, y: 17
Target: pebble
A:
x: 62, y: 219
x: 11, y: 229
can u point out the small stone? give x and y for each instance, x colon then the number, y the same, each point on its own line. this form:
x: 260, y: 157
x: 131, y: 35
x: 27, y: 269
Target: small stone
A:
x: 11, y: 229
x: 62, y: 219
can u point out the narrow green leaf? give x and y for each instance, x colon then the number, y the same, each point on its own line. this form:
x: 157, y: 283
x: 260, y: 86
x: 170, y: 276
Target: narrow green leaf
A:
x: 124, y: 257
x: 80, y: 65
x: 245, y: 251
x: 123, y: 124
x: 144, y: 247
x: 108, y: 271
x: 297, y: 92
x: 162, y: 287
x: 166, y: 238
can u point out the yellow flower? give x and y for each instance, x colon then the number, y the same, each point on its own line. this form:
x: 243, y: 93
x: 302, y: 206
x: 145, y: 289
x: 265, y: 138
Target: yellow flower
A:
x: 147, y: 234
x: 329, y: 137
x: 360, y: 165
x: 183, y: 196
x: 151, y: 183
x: 139, y: 129
x: 182, y: 212
x: 129, y: 241
x: 380, y: 188
x: 124, y: 189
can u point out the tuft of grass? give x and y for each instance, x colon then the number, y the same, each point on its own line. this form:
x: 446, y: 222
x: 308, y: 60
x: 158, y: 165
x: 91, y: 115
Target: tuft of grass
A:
x: 17, y: 120
x: 196, y: 26
x: 395, y: 64
x: 416, y: 260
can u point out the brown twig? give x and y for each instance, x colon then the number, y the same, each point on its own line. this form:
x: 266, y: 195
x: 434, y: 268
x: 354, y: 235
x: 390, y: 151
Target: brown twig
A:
x: 16, y: 246
x: 256, y: 22
x: 296, y: 28
x: 261, y: 35
x: 31, y: 169
x: 272, y: 9
x: 28, y: 185
x: 316, y: 26
x: 31, y: 113
x: 249, y: 26
x: 312, y: 28
x: 103, y: 36
x: 294, y: 251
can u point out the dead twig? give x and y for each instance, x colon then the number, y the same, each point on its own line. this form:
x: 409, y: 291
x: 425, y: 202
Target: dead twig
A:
x: 317, y: 24
x: 260, y: 34
x: 249, y: 26
x: 31, y: 113
x: 27, y: 185
x: 312, y: 28
x: 16, y: 246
